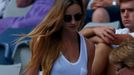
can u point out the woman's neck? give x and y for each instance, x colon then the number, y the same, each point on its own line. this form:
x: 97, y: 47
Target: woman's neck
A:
x: 71, y: 46
x: 72, y: 36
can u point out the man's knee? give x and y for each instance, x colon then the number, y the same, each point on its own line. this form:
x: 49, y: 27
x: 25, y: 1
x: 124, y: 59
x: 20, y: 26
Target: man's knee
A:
x: 100, y: 15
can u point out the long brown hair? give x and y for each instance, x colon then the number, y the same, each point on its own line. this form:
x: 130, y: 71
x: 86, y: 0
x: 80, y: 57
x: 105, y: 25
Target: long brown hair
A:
x: 46, y: 38
x: 123, y: 55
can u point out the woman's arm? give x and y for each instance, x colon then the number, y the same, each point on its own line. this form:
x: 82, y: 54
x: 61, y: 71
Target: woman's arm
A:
x: 91, y: 53
x: 97, y: 58
x: 100, y: 62
x: 24, y: 3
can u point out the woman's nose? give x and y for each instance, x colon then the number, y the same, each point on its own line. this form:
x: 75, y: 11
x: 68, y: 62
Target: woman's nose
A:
x: 73, y: 20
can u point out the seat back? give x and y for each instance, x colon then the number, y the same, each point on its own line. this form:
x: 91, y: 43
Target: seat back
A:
x: 10, y: 69
x: 10, y: 35
x: 4, y: 54
x: 21, y: 53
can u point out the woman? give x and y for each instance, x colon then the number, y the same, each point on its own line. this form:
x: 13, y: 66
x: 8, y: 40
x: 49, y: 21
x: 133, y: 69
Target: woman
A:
x: 56, y: 45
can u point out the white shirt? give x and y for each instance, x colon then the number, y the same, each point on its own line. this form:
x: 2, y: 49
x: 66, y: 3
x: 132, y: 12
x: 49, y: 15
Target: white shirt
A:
x: 64, y: 67
x: 124, y: 31
x: 3, y: 4
x: 89, y: 4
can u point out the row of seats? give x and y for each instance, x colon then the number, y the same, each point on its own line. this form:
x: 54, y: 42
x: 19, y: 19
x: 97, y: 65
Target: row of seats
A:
x: 13, y: 55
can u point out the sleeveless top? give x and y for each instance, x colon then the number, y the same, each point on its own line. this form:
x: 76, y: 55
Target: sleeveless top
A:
x: 64, y: 67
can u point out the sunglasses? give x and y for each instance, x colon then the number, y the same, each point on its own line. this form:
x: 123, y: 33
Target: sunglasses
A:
x: 77, y: 17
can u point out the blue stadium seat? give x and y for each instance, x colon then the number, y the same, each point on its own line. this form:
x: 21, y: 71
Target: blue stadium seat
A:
x: 5, y: 57
x: 21, y: 53
x: 10, y: 35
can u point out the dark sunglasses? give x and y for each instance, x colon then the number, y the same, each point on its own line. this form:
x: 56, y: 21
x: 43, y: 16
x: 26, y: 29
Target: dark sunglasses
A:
x: 77, y: 17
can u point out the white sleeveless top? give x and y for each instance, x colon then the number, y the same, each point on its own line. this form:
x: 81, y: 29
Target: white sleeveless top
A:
x: 63, y: 67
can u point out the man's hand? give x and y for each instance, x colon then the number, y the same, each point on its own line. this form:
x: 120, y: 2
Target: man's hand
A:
x: 104, y: 33
x: 119, y: 38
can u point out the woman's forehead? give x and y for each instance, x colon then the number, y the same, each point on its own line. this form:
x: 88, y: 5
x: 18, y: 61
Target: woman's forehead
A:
x: 72, y: 9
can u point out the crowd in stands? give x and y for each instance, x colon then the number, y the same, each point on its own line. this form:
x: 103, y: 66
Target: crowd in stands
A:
x: 32, y: 18
x: 127, y: 19
x: 105, y: 43
x: 40, y: 8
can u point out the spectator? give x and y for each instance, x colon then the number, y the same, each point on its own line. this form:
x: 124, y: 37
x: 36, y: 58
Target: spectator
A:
x: 127, y: 16
x: 123, y: 58
x: 3, y: 4
x: 31, y: 19
x: 54, y: 36
x: 58, y: 42
x: 103, y: 11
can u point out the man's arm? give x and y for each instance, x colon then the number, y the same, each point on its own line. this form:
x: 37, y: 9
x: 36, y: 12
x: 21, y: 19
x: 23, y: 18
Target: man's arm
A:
x: 104, y: 32
x: 24, y: 3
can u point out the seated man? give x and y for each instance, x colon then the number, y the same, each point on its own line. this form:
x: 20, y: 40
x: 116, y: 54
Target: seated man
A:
x: 103, y: 11
x: 127, y: 17
x: 31, y: 19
